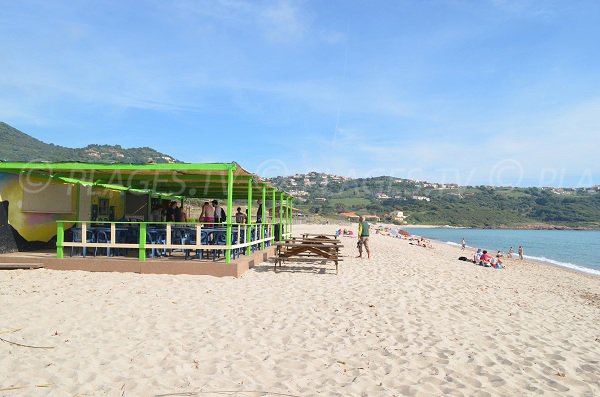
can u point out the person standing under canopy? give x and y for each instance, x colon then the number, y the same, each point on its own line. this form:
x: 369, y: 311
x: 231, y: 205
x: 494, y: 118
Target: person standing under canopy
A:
x: 259, y: 212
x: 219, y: 212
x: 240, y: 217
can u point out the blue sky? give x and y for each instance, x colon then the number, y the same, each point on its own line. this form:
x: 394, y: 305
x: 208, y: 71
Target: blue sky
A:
x: 496, y: 92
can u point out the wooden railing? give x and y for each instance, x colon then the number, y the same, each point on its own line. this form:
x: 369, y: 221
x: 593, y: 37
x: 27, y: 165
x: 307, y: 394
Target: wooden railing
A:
x: 106, y: 235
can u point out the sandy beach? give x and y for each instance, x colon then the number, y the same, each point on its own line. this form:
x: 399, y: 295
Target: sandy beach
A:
x: 409, y: 321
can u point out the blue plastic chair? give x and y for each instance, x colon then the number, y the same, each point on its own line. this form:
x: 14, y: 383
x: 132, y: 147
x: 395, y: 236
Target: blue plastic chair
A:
x: 220, y: 238
x: 178, y: 236
x: 204, y: 240
x: 156, y: 236
x: 77, y: 239
x: 102, y: 237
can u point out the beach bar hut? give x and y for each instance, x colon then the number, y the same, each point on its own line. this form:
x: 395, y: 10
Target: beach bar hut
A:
x: 45, y: 202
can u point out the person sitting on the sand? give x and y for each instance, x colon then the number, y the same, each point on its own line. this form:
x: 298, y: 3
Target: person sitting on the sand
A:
x: 510, y: 252
x: 477, y: 256
x: 485, y: 259
x: 421, y: 242
x: 497, y: 262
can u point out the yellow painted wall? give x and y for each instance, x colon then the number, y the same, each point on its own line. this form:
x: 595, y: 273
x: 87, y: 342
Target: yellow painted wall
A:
x: 40, y: 226
x: 115, y: 198
x: 33, y: 226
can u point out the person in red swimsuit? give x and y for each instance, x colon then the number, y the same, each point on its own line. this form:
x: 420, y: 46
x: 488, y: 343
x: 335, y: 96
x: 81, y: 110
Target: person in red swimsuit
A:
x: 485, y: 259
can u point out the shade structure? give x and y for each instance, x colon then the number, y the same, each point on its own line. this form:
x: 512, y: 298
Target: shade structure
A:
x: 228, y: 181
x: 180, y: 179
x: 285, y: 208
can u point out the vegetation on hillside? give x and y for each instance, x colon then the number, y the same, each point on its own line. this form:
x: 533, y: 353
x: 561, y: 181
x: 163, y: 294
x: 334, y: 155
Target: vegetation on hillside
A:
x: 431, y: 203
x: 18, y: 146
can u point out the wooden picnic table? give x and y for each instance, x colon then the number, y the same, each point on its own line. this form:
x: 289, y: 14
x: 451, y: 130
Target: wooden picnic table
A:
x: 312, y: 240
x: 309, y: 235
x: 329, y: 249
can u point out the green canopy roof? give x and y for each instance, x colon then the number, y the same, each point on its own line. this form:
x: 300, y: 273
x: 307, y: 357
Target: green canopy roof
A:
x: 180, y: 179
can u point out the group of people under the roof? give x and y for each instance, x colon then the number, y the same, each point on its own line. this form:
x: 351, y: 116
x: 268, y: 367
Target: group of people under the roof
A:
x: 211, y: 213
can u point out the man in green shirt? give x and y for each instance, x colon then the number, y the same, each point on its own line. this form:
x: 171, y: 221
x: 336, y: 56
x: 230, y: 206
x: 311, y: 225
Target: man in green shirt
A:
x: 363, y: 237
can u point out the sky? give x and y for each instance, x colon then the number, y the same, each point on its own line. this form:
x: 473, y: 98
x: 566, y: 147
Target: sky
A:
x: 492, y: 92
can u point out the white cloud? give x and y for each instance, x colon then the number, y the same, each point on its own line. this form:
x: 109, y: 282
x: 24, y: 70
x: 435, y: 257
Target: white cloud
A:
x: 556, y: 149
x: 224, y: 10
x: 283, y: 21
x: 280, y: 21
x: 333, y: 37
x: 545, y: 9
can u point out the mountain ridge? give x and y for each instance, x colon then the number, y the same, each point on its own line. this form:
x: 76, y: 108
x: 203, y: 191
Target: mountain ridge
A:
x: 19, y: 146
x: 422, y: 202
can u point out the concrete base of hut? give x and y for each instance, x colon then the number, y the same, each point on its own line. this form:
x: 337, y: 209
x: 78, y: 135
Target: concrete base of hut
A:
x: 165, y: 265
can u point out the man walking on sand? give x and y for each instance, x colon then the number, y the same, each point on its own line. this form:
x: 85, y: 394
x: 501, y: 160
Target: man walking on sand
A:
x: 462, y: 244
x: 363, y: 237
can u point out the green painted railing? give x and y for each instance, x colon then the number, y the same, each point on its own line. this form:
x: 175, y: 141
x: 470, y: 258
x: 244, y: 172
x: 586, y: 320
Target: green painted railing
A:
x: 255, y: 235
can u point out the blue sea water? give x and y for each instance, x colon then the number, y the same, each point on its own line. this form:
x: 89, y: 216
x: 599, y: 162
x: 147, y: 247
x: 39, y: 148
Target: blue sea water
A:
x: 575, y: 249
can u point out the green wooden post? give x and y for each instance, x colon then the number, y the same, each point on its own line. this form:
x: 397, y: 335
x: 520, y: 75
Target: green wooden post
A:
x: 281, y: 216
x: 149, y: 207
x: 78, y: 198
x: 263, y: 216
x: 285, y: 215
x: 289, y: 214
x: 273, y: 202
x: 142, y: 243
x: 229, y: 212
x: 249, y: 226
x: 60, y: 239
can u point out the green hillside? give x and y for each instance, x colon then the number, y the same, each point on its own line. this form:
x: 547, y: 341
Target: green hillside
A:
x: 328, y: 195
x: 438, y: 204
x: 18, y: 146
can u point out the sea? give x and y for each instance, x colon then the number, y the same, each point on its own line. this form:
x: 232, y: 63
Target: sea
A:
x: 574, y: 249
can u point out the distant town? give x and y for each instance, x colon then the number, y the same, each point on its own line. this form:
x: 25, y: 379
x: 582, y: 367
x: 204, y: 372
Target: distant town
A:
x: 404, y: 201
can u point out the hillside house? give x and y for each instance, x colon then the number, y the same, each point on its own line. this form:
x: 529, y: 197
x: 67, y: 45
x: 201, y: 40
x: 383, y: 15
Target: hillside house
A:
x: 421, y: 198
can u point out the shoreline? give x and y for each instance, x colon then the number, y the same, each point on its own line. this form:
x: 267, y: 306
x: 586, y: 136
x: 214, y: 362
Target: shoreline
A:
x: 573, y: 267
x: 528, y: 259
x: 504, y: 227
x: 539, y: 227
